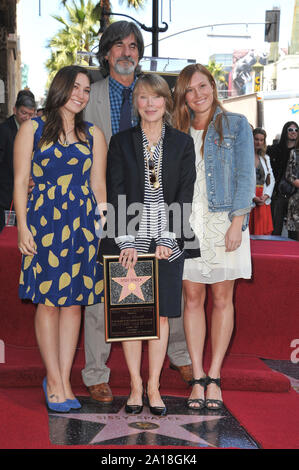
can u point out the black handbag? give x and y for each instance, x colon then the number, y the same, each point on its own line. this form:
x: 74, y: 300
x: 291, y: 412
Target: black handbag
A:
x: 285, y: 188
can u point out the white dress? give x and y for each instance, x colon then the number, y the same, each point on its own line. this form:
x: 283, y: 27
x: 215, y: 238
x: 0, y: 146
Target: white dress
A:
x: 215, y: 264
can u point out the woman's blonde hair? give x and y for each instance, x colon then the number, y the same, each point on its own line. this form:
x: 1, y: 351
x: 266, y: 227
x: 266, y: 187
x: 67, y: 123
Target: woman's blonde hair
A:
x: 261, y: 131
x: 158, y: 85
x: 182, y: 115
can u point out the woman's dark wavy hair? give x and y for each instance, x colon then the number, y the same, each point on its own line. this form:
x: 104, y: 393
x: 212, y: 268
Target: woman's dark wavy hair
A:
x: 284, y: 133
x: 59, y: 93
x: 114, y: 33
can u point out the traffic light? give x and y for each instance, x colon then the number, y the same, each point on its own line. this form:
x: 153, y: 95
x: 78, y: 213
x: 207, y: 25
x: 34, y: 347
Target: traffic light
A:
x: 272, y: 25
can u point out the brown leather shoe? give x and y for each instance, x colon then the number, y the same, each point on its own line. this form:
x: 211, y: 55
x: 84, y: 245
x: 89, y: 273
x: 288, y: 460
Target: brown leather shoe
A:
x: 185, y: 371
x: 101, y: 392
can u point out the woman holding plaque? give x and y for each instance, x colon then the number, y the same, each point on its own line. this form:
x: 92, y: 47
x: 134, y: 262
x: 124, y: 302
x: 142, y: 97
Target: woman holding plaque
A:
x: 152, y: 164
x: 222, y: 201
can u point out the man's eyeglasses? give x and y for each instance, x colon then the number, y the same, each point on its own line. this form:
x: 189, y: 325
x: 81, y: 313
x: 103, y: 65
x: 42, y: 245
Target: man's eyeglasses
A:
x: 292, y: 129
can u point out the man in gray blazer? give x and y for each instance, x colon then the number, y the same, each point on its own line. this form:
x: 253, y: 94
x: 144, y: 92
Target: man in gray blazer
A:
x: 120, y: 49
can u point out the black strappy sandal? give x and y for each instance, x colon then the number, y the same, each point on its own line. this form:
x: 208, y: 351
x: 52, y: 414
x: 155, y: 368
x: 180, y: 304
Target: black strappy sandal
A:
x: 211, y: 403
x: 199, y: 401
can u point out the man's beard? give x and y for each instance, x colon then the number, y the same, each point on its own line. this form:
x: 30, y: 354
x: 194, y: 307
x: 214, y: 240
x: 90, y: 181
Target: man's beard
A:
x: 125, y: 69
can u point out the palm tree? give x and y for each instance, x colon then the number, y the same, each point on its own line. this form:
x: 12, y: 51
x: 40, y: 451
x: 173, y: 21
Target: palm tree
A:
x: 217, y: 71
x: 106, y: 5
x: 219, y: 75
x: 79, y: 33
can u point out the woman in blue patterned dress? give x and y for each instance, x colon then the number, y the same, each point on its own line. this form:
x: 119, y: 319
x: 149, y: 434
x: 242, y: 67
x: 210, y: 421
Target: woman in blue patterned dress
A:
x: 58, y: 232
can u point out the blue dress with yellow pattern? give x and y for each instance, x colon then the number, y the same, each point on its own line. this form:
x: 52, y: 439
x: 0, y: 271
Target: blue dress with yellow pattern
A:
x: 61, y: 216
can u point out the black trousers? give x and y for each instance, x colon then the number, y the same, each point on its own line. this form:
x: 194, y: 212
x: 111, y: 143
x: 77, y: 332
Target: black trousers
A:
x: 279, y: 210
x: 2, y: 218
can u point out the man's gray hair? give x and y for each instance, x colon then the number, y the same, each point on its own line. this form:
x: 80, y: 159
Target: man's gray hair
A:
x: 116, y: 32
x: 25, y: 98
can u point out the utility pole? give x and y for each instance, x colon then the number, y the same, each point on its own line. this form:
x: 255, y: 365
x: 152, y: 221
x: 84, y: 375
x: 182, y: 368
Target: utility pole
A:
x: 294, y: 48
x: 155, y: 29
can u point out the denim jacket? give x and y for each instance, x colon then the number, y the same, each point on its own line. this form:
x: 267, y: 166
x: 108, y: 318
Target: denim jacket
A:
x: 229, y: 166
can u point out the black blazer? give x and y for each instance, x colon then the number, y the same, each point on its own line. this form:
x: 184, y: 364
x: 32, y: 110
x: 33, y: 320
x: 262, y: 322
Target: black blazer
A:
x: 8, y: 131
x: 125, y: 176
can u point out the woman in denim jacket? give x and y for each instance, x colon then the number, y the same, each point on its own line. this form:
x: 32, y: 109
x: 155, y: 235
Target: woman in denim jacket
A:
x: 223, y: 193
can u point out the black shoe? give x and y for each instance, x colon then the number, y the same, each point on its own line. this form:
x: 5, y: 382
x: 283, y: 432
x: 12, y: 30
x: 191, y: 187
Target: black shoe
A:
x: 211, y: 403
x: 199, y: 401
x: 157, y: 410
x: 133, y: 409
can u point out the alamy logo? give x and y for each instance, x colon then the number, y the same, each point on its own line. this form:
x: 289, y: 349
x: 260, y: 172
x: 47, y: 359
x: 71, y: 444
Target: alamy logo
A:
x: 2, y: 352
x: 295, y: 353
x: 137, y: 218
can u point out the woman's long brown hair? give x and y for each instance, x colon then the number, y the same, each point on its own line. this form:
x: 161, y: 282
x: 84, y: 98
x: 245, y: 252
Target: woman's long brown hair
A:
x: 182, y: 115
x: 59, y: 93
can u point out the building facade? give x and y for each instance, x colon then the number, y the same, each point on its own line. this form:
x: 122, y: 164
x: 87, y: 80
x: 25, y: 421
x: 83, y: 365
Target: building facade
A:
x: 10, y: 61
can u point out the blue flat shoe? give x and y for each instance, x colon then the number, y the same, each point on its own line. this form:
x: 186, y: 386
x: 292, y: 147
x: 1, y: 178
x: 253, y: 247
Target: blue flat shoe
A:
x: 63, y: 407
x: 74, y: 404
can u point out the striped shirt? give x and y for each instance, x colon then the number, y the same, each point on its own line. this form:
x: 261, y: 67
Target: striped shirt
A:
x: 153, y: 220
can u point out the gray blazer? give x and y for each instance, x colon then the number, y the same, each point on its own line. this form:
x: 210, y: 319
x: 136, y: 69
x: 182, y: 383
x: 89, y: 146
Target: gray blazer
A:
x: 98, y: 109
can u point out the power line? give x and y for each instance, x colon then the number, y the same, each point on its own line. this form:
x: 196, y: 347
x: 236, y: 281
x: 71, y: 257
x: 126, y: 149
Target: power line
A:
x: 201, y: 27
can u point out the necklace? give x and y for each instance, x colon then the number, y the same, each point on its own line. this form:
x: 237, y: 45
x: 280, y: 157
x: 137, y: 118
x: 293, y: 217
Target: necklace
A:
x: 152, y: 148
x: 66, y: 143
x: 153, y: 177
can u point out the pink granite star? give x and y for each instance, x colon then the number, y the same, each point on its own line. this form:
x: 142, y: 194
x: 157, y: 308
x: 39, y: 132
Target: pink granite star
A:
x: 131, y: 284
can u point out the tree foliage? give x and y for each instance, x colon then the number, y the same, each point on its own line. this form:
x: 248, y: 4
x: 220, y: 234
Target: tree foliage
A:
x: 79, y: 32
x: 217, y: 72
x: 106, y: 5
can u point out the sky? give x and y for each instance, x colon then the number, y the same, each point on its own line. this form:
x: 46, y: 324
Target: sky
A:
x: 35, y: 30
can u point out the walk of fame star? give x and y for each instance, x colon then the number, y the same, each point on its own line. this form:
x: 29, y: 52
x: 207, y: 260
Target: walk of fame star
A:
x: 119, y: 425
x: 94, y: 424
x: 131, y: 284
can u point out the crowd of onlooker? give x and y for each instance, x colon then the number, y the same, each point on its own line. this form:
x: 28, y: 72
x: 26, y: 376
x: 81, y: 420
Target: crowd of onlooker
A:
x: 277, y: 182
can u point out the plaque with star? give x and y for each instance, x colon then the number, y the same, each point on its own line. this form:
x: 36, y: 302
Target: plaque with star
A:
x: 131, y: 299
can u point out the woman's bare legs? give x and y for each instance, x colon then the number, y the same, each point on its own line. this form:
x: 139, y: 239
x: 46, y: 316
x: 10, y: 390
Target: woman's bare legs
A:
x: 156, y: 355
x: 133, y: 351
x: 57, y: 331
x: 221, y: 331
x: 195, y: 330
x: 47, y: 334
x: 69, y: 327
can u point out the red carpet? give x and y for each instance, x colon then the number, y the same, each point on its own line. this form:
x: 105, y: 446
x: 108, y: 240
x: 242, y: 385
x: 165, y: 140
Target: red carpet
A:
x: 271, y: 419
x: 266, y: 316
x: 23, y: 368
x: 266, y: 323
